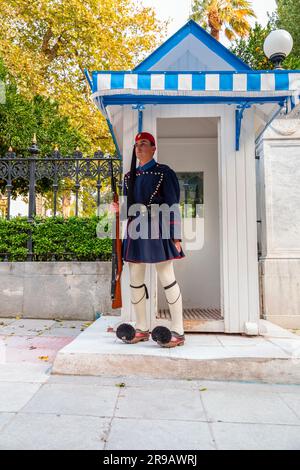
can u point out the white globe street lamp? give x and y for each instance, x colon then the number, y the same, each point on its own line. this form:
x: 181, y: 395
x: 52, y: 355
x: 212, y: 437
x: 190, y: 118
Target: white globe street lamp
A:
x: 277, y: 46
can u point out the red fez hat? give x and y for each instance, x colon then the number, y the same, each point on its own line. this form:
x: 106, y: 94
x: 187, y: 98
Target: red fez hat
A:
x: 145, y: 135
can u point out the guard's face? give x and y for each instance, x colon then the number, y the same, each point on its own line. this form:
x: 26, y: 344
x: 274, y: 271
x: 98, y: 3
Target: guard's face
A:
x: 144, y: 150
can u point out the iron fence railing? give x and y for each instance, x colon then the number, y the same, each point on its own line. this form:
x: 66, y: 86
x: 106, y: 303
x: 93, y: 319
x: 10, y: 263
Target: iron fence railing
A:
x: 31, y: 168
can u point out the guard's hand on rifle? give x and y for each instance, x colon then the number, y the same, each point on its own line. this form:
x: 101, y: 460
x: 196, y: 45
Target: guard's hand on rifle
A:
x: 177, y: 244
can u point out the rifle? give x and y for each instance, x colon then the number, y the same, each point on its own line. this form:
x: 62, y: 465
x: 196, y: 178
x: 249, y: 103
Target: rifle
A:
x: 117, y: 263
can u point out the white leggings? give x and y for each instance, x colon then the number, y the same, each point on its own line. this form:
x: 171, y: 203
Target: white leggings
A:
x: 165, y: 271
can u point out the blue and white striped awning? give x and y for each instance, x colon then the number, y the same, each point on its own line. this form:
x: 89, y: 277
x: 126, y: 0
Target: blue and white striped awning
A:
x: 262, y: 83
x: 242, y: 88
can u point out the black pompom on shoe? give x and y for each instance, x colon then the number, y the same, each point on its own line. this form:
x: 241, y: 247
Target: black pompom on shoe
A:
x: 161, y: 334
x: 125, y: 332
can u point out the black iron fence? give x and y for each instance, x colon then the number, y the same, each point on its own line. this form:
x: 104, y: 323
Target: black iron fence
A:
x: 31, y: 168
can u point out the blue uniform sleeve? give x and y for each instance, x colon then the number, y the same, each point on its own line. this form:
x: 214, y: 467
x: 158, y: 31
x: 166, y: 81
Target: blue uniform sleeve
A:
x: 171, y: 196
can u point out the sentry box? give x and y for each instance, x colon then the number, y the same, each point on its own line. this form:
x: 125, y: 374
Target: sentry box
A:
x: 207, y: 110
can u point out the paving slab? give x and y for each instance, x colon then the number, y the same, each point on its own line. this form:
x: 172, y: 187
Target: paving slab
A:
x: 160, y: 404
x: 236, y: 406
x: 31, y: 349
x: 292, y: 401
x: 5, y: 418
x: 6, y: 321
x: 161, y: 435
x: 26, y: 327
x: 66, y: 399
x: 24, y: 373
x: 15, y: 395
x: 235, y: 436
x: 54, y: 432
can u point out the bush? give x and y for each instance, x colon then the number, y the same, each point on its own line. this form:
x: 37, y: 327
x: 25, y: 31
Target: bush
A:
x: 53, y: 238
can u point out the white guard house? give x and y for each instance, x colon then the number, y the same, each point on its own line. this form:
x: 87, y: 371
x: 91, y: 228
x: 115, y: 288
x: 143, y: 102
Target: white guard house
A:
x: 206, y: 109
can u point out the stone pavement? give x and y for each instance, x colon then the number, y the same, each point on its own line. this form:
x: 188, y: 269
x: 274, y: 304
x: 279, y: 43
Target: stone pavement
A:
x: 30, y: 340
x: 39, y: 410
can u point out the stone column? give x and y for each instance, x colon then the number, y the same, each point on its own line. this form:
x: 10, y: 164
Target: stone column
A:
x: 278, y: 203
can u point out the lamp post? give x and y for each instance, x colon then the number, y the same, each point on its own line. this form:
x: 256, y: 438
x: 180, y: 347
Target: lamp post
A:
x: 277, y: 46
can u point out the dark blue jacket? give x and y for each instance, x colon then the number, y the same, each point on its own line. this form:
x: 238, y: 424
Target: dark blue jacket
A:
x: 155, y: 183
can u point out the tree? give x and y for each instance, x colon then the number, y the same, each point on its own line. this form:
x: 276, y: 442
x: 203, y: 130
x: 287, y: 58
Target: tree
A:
x: 288, y: 12
x: 232, y: 15
x: 46, y: 44
x: 251, y: 51
x: 20, y: 117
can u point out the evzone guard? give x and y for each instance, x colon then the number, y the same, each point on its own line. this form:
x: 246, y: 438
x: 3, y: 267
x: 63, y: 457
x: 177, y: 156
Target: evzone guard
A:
x: 153, y: 195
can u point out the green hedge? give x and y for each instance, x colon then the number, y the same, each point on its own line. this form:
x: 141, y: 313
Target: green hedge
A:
x: 54, y: 239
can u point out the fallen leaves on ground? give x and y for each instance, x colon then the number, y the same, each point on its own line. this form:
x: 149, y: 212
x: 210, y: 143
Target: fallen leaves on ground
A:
x: 44, y: 358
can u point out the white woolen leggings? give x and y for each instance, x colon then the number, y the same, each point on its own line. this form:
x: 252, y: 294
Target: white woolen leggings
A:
x: 165, y: 272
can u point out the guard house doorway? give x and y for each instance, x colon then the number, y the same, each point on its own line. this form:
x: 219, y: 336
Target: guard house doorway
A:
x: 190, y: 147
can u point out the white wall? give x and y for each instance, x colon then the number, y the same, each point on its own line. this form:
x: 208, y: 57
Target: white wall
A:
x: 201, y: 288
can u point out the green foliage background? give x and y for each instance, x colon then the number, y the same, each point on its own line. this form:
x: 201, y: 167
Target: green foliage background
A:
x: 75, y: 235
